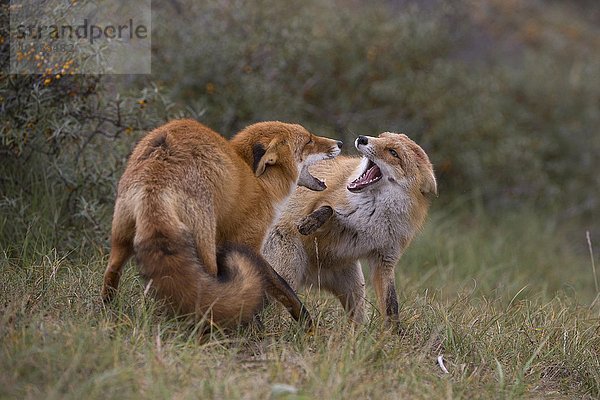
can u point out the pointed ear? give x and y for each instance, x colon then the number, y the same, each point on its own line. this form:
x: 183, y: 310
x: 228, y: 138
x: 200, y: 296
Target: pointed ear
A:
x: 264, y: 157
x: 429, y: 184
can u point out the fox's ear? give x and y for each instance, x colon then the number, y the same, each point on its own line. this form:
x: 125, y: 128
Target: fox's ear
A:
x: 264, y: 157
x: 429, y: 184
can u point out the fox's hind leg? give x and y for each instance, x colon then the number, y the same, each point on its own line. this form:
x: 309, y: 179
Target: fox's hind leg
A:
x: 286, y: 254
x: 348, y: 285
x: 279, y: 289
x: 288, y: 265
x: 121, y: 249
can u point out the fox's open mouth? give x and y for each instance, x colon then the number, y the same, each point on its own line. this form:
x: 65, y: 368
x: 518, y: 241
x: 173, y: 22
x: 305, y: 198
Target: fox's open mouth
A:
x: 308, y: 181
x: 371, y: 175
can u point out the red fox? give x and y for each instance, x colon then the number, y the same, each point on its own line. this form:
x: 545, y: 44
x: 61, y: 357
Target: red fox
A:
x: 372, y: 210
x: 194, y: 208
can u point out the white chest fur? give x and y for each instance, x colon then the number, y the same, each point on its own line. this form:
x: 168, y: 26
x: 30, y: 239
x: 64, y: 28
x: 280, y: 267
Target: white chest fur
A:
x: 374, y: 221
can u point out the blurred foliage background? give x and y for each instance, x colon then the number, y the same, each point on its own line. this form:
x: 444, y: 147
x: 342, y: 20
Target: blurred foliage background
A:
x: 504, y: 95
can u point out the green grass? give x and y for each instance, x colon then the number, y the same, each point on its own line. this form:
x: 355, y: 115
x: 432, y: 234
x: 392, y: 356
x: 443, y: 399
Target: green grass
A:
x: 503, y: 95
x: 507, y: 300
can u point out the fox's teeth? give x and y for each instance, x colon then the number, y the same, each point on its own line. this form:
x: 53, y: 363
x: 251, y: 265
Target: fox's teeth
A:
x: 362, y: 182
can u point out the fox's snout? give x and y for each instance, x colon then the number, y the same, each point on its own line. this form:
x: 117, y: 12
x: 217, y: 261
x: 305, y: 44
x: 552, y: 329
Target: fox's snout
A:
x: 364, y: 144
x: 336, y: 149
x: 361, y: 140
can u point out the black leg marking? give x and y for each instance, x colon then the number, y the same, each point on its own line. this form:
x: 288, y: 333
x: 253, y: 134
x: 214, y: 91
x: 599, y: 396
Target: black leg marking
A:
x: 391, y: 302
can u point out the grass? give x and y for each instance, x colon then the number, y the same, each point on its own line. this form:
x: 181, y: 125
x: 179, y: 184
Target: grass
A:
x: 506, y: 301
x: 504, y: 97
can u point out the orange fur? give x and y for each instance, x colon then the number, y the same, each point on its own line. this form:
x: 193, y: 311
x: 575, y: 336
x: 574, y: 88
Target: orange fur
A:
x: 186, y: 193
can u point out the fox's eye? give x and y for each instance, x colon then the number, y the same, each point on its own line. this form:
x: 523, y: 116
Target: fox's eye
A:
x: 394, y: 153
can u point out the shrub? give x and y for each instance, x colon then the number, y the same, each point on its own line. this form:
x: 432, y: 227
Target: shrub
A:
x: 63, y: 142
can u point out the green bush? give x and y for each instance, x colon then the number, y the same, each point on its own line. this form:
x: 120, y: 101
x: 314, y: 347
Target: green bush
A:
x: 64, y: 145
x: 64, y: 138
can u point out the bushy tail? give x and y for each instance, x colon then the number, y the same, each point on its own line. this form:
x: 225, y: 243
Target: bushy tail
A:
x: 170, y: 265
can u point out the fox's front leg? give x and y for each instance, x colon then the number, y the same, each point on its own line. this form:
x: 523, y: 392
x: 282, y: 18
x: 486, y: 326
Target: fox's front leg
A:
x: 315, y: 220
x: 385, y: 290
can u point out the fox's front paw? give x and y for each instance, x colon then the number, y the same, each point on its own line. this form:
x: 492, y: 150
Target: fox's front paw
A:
x: 315, y: 220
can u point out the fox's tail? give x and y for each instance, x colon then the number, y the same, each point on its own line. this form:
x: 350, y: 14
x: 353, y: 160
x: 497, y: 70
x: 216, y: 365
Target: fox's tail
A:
x: 171, y: 267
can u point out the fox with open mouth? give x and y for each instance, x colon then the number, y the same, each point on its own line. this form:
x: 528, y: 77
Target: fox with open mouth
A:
x: 373, y: 208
